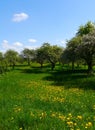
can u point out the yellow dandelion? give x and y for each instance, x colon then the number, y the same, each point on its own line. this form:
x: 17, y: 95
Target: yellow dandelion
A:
x: 62, y: 117
x: 70, y: 123
x: 53, y: 115
x: 17, y: 109
x: 20, y: 129
x: 70, y: 115
x: 89, y: 124
x: 68, y: 118
x: 71, y: 129
x: 43, y: 114
x: 79, y: 117
x: 75, y: 124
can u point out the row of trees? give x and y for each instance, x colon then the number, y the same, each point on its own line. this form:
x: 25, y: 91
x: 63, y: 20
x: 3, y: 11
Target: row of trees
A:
x: 79, y: 49
x: 8, y: 59
x: 46, y: 53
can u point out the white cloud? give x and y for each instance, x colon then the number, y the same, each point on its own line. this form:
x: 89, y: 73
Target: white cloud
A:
x: 31, y: 47
x: 32, y: 40
x: 18, y: 44
x: 61, y: 43
x: 5, y: 44
x: 20, y: 17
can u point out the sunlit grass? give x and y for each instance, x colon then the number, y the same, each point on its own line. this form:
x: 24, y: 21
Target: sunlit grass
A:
x: 39, y: 100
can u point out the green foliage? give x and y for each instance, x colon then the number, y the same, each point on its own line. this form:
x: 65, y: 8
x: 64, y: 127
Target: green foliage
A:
x: 86, y: 29
x: 86, y: 49
x: 11, y: 57
x: 70, y: 54
x: 40, y: 56
x: 3, y: 64
x: 52, y: 53
x: 1, y: 59
x: 81, y: 46
x: 28, y: 54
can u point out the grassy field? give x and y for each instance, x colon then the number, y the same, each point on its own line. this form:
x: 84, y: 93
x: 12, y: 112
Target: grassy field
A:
x: 38, y: 99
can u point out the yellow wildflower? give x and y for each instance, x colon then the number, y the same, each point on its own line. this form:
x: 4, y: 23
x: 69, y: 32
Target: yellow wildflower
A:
x: 79, y: 117
x: 20, y: 129
x: 89, y: 124
x: 62, y: 117
x: 70, y: 115
x: 70, y: 123
x: 53, y: 115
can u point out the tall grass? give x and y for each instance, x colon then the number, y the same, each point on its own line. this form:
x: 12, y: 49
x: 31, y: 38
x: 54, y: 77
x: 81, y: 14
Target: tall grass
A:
x: 38, y: 99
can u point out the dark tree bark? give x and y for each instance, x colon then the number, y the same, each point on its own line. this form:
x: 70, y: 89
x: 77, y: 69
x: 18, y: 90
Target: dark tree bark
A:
x: 52, y: 66
x: 73, y: 65
x: 90, y: 67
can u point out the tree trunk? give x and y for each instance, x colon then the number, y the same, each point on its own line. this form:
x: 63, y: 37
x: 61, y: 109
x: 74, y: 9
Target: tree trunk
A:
x: 13, y: 66
x: 52, y: 66
x: 28, y: 60
x: 90, y: 67
x: 41, y: 65
x: 78, y: 65
x: 73, y: 65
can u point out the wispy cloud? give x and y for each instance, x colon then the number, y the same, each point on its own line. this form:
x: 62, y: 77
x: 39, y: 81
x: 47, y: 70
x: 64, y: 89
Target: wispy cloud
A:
x: 20, y: 17
x: 30, y: 47
x: 32, y: 40
x: 18, y: 44
x: 61, y: 43
x: 5, y: 44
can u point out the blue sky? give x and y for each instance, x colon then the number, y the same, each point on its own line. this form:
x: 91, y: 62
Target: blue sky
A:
x: 30, y: 23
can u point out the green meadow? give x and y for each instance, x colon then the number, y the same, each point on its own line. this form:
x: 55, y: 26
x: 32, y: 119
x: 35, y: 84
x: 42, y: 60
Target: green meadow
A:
x: 32, y: 98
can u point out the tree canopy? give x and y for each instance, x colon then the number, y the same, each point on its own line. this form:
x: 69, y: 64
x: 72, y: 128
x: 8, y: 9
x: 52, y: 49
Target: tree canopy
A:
x: 11, y: 57
x: 52, y: 53
x: 85, y: 29
x: 86, y: 49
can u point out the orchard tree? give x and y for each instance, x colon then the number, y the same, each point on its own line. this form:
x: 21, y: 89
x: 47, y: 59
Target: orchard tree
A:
x: 11, y: 56
x: 52, y: 53
x: 86, y: 29
x: 1, y: 62
x: 86, y: 49
x: 28, y: 54
x: 70, y: 52
x: 40, y: 56
x: 1, y: 57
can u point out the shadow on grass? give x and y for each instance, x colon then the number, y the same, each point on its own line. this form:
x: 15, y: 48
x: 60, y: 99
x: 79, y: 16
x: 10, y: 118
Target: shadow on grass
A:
x: 64, y: 78
x: 32, y: 69
x: 76, y: 79
x: 35, y: 70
